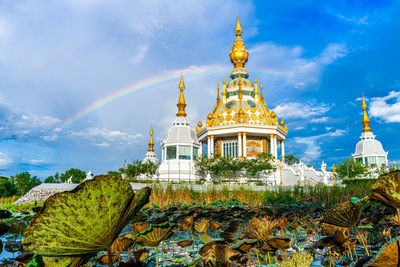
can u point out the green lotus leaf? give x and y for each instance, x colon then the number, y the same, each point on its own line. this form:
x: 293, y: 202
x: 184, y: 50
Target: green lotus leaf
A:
x: 299, y: 260
x: 387, y: 189
x: 344, y: 214
x: 154, y: 234
x: 85, y: 220
x: 387, y: 256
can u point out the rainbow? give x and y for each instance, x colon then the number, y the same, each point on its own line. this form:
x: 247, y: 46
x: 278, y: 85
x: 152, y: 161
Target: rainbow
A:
x: 150, y: 82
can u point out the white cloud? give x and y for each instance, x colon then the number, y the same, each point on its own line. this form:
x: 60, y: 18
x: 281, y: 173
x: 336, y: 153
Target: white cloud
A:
x: 312, y: 150
x: 300, y: 110
x: 358, y: 21
x: 141, y: 53
x: 386, y: 108
x: 319, y: 120
x: 5, y: 160
x: 103, y: 137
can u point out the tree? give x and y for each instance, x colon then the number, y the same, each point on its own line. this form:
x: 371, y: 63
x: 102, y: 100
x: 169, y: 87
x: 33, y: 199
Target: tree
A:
x: 77, y: 176
x: 149, y: 169
x: 115, y: 174
x: 350, y: 168
x: 291, y: 159
x: 7, y: 188
x: 24, y: 182
x: 53, y: 179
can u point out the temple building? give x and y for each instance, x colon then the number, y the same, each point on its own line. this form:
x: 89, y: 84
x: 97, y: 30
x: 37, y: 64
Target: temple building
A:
x: 151, y: 155
x: 240, y: 123
x: 180, y: 147
x: 369, y: 151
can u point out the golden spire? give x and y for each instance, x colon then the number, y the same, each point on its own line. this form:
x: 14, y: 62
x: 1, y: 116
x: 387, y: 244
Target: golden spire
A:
x: 365, y: 121
x: 181, y: 102
x: 255, y: 88
x: 238, y: 28
x: 239, y: 54
x: 261, y: 93
x: 223, y: 90
x: 151, y: 142
x: 218, y: 98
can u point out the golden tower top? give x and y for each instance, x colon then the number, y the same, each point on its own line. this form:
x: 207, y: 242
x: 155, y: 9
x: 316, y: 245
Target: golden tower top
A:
x: 181, y: 102
x: 239, y: 54
x: 365, y: 121
x: 151, y: 142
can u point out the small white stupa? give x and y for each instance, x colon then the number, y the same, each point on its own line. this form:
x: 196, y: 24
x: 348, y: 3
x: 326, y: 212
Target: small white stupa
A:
x: 180, y: 147
x: 369, y: 151
x: 151, y: 155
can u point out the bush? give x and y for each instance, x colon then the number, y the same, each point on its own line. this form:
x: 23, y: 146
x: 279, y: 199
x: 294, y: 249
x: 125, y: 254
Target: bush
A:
x: 358, y: 182
x: 7, y: 189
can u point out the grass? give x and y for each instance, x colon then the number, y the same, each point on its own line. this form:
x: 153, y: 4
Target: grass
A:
x: 162, y: 196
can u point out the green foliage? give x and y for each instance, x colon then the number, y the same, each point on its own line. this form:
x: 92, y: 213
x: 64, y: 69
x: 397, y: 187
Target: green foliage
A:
x: 53, y: 179
x: 85, y: 220
x: 7, y: 188
x: 137, y: 168
x: 76, y: 174
x: 228, y: 167
x: 350, y: 168
x: 358, y: 182
x: 24, y: 182
x: 291, y: 159
x: 115, y: 174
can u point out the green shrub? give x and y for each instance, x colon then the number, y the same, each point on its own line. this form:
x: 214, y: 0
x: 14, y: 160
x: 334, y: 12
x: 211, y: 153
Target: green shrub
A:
x: 356, y: 182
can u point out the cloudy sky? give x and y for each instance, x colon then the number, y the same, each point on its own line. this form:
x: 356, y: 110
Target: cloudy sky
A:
x: 81, y: 81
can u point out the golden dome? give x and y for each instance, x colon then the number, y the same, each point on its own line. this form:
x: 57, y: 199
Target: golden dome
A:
x: 282, y: 122
x: 239, y: 54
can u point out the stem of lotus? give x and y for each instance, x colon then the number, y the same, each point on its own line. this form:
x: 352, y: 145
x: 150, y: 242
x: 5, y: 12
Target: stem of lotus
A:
x: 258, y: 258
x: 157, y: 256
x: 355, y: 252
x: 162, y: 251
x: 362, y: 241
x: 110, y: 260
x: 351, y: 256
x: 248, y: 258
x: 330, y: 257
x: 269, y: 259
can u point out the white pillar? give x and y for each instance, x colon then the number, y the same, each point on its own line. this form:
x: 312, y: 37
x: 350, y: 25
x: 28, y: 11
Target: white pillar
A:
x: 239, y: 145
x: 212, y: 144
x: 162, y: 155
x: 222, y: 149
x: 363, y: 159
x: 177, y: 151
x: 208, y: 147
x: 276, y: 147
x: 244, y: 145
x: 283, y: 150
x: 191, y: 152
x: 271, y: 144
x: 201, y: 149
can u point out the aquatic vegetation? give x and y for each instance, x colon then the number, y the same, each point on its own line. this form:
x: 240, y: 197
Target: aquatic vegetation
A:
x: 62, y: 233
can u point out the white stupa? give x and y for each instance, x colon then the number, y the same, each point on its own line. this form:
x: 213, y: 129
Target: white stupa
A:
x: 151, y: 155
x: 180, y: 147
x: 369, y: 151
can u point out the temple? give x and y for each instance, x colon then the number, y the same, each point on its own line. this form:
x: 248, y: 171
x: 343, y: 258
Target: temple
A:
x: 180, y: 147
x: 240, y: 123
x: 369, y: 151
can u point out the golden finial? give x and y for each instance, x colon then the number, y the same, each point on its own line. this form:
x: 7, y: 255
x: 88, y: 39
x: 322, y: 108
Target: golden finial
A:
x: 181, y: 102
x: 223, y: 81
x: 255, y: 88
x: 255, y: 78
x: 239, y: 54
x: 218, y: 98
x: 282, y: 122
x: 365, y: 121
x: 238, y: 28
x: 151, y: 142
x: 261, y: 92
x: 223, y: 90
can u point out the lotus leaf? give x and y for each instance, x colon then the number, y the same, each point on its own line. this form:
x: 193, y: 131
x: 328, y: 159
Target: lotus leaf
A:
x: 141, y: 254
x: 154, y: 234
x: 387, y: 189
x: 139, y: 227
x: 186, y: 223
x: 344, y: 214
x: 259, y: 229
x: 205, y: 238
x: 122, y: 243
x: 84, y: 220
x: 216, y: 253
x: 215, y: 226
x: 388, y: 256
x: 4, y: 214
x: 244, y: 245
x: 278, y: 242
x: 298, y: 260
x: 4, y: 228
x: 185, y: 243
x: 103, y: 259
x: 201, y: 226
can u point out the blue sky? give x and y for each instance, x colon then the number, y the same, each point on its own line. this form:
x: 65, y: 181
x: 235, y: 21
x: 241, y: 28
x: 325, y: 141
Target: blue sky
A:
x: 315, y: 59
